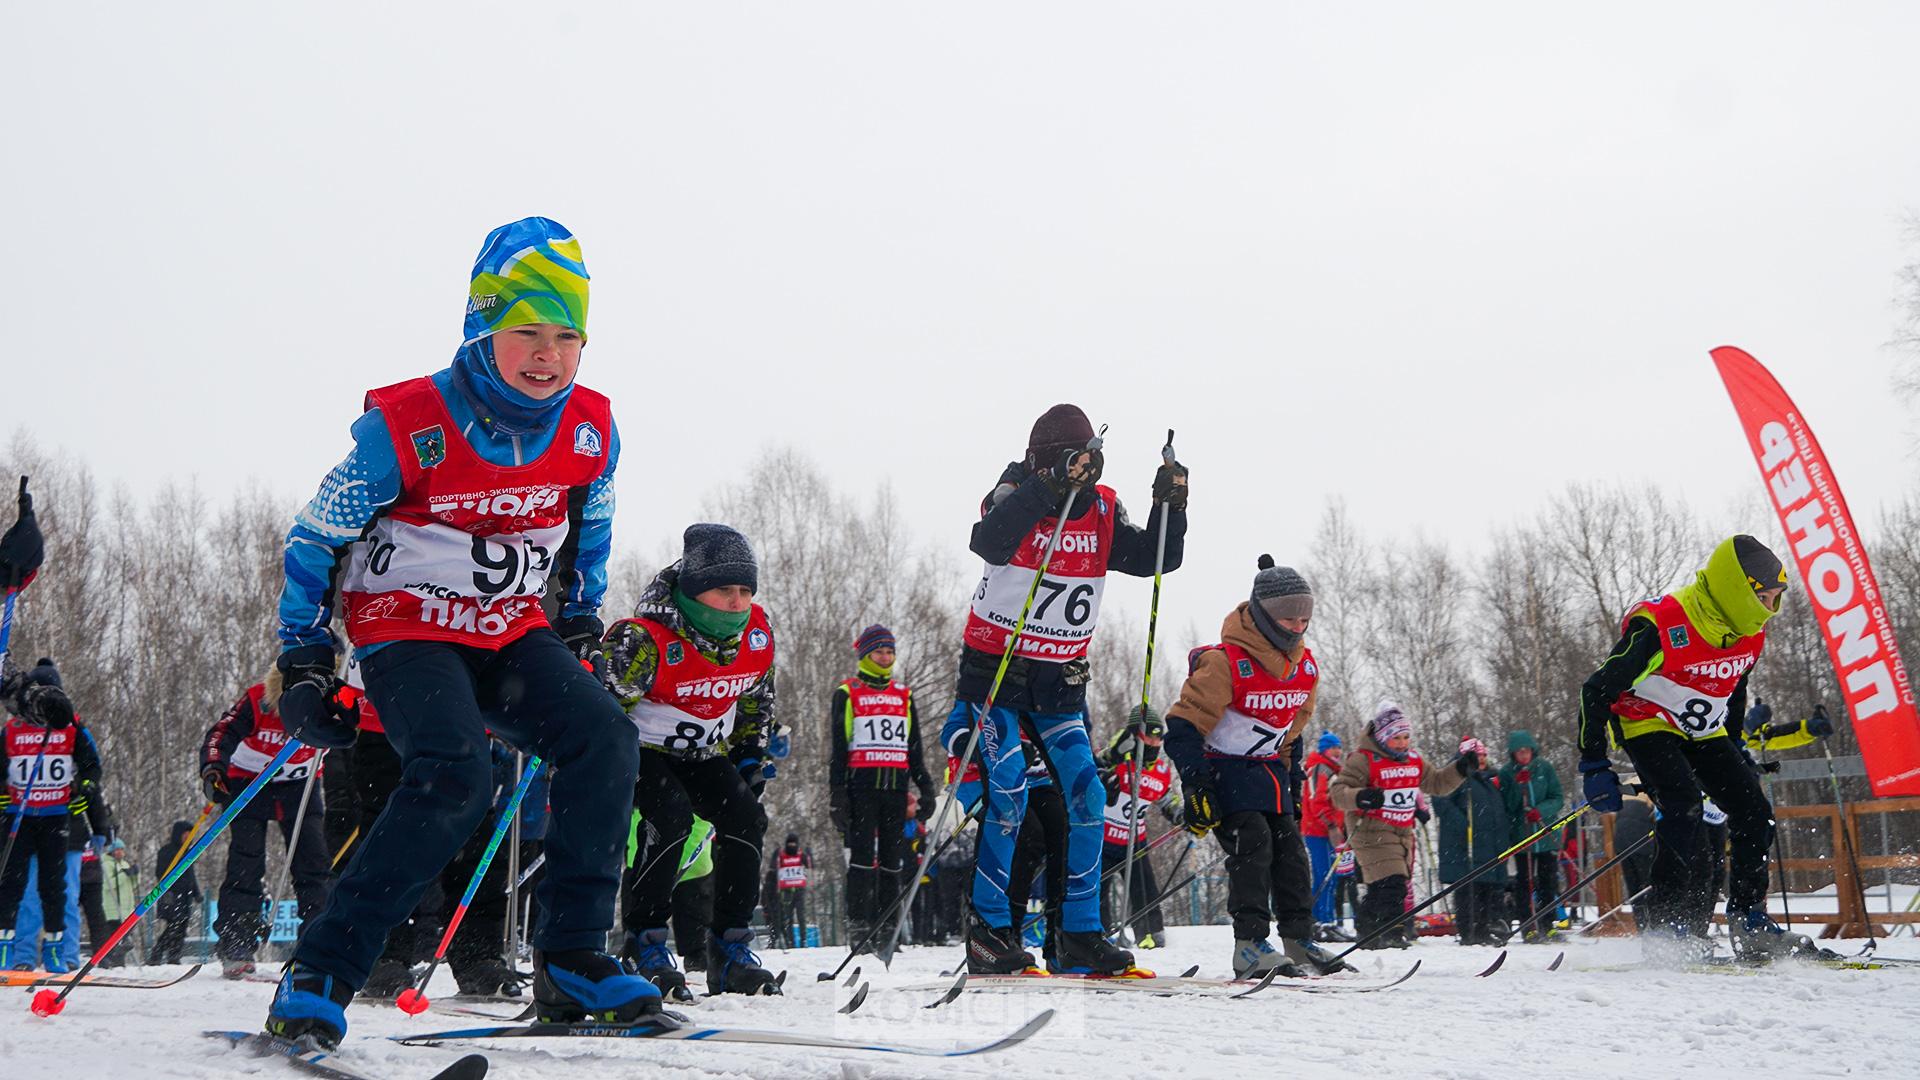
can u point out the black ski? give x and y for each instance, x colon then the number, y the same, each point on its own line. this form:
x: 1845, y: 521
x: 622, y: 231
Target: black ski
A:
x: 665, y: 1027
x: 31, y: 979
x: 323, y: 1063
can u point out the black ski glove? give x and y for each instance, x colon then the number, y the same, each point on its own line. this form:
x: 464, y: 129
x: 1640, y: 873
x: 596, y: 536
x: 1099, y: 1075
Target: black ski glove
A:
x: 1202, y: 811
x: 1076, y: 468
x: 583, y: 634
x: 1170, y: 487
x: 1465, y: 764
x: 308, y: 709
x: 213, y: 784
x: 1369, y: 798
x: 21, y: 548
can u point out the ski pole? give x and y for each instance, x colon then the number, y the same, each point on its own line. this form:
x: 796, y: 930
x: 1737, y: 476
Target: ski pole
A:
x: 513, y: 873
x: 1846, y: 833
x: 1395, y: 922
x: 1146, y: 689
x: 1612, y: 911
x: 187, y: 840
x: 413, y: 1000
x: 1618, y: 858
x: 874, y: 930
x: 46, y: 1002
x: 1786, y: 907
x: 344, y: 848
x: 947, y: 797
x: 293, y: 846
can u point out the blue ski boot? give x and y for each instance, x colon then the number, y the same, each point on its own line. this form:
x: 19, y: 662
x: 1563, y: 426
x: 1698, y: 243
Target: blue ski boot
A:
x: 310, y: 1008
x: 1757, y: 939
x: 647, y: 951
x: 585, y: 984
x: 50, y: 958
x: 732, y: 967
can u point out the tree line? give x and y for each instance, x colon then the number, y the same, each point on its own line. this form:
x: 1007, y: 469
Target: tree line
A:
x: 160, y: 611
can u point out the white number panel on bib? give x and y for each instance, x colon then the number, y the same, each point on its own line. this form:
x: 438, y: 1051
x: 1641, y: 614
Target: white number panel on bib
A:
x: 792, y: 877
x: 878, y: 740
x: 441, y: 561
x: 663, y: 725
x: 1698, y: 715
x: 1060, y: 623
x: 1400, y: 800
x: 1240, y: 735
x: 54, y: 773
x: 1125, y: 812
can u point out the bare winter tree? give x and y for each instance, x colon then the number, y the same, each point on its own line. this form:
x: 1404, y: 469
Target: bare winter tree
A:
x: 1346, y: 593
x: 1421, y: 651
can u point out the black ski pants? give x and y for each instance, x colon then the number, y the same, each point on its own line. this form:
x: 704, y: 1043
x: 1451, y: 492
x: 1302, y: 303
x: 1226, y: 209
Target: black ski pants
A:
x: 670, y: 791
x: 1043, y: 837
x: 1113, y: 872
x: 1675, y: 771
x: 243, y: 922
x: 793, y: 915
x: 438, y: 702
x: 876, y: 846
x: 1269, y: 878
x: 1477, y: 913
x: 43, y: 837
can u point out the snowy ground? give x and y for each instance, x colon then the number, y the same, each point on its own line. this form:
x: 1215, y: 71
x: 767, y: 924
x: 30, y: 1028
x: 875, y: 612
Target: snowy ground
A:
x: 1522, y: 1022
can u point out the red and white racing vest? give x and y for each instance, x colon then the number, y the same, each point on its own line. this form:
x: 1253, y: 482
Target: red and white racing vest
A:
x: 877, y: 725
x: 792, y: 871
x: 1696, y: 677
x: 53, y: 782
x: 693, y: 701
x: 464, y: 553
x: 1263, y: 706
x: 1155, y: 779
x: 1399, y: 781
x: 1066, y: 606
x: 269, y: 736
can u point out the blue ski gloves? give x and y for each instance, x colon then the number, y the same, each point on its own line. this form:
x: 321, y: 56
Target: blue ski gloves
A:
x: 1602, y: 785
x: 307, y: 707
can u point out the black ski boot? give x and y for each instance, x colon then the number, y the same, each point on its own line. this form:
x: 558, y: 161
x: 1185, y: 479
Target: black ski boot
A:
x: 1088, y: 952
x: 732, y: 967
x: 647, y: 951
x: 995, y: 951
x: 584, y: 984
x: 488, y: 977
x: 387, y: 979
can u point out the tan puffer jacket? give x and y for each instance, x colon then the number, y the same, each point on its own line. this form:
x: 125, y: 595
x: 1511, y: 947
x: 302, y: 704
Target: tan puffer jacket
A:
x: 1382, y: 850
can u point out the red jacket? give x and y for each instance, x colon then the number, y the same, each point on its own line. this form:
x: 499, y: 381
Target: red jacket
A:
x: 1318, y: 814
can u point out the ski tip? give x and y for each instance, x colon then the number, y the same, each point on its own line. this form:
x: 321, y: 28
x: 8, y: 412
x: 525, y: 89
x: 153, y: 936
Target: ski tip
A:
x: 1555, y: 966
x: 859, y: 998
x: 191, y: 972
x: 1495, y: 966
x: 471, y: 1067
x: 1190, y: 972
x: 780, y: 981
x: 953, y: 993
x: 853, y: 979
x: 1265, y: 981
x: 1027, y: 1031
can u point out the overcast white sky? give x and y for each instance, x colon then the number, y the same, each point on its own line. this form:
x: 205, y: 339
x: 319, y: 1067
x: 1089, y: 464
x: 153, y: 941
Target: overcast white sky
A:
x: 1439, y: 259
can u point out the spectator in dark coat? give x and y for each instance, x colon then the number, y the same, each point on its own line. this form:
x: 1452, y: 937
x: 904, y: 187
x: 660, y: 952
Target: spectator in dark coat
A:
x: 1534, y: 799
x: 1474, y: 828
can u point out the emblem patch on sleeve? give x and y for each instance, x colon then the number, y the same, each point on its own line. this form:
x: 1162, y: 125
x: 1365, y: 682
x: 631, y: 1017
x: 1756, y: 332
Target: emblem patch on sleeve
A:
x: 430, y: 446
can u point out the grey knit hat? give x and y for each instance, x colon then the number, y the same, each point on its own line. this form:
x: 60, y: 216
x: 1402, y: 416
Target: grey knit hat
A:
x: 716, y: 555
x: 1279, y: 592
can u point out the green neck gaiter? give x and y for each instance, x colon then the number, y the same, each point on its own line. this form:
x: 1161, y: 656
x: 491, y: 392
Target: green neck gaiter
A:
x: 711, y: 622
x: 874, y: 672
